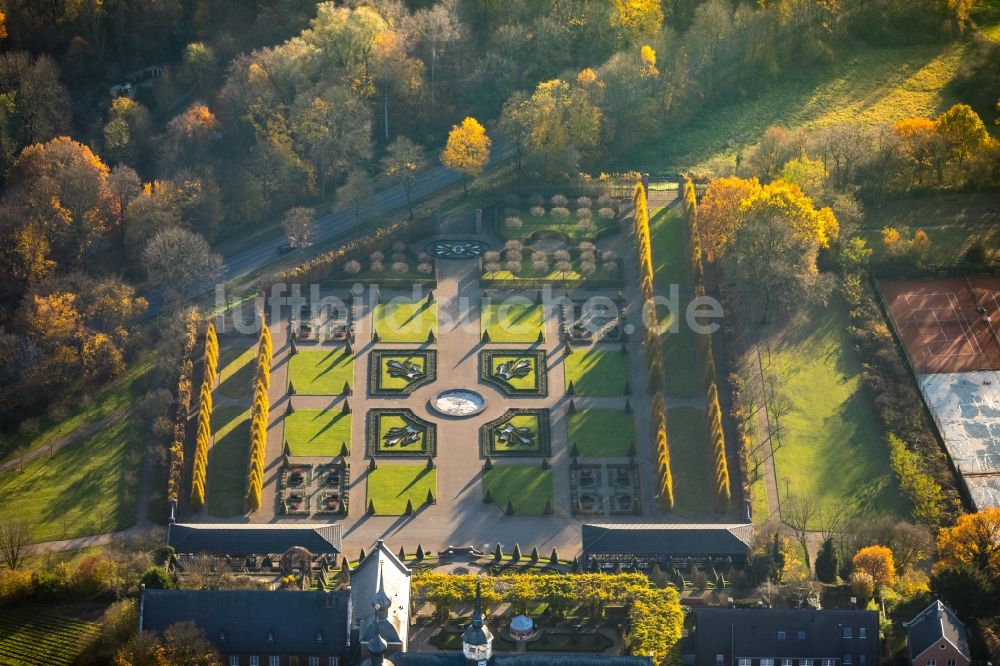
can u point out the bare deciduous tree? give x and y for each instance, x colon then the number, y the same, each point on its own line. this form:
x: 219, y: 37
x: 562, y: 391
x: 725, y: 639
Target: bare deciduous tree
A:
x: 299, y: 225
x: 797, y: 513
x: 178, y: 260
x: 14, y: 539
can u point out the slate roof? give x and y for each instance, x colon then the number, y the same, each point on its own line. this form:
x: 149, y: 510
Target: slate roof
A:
x: 667, y: 539
x: 754, y: 633
x: 456, y: 659
x: 932, y: 625
x: 253, y: 539
x: 396, y: 586
x: 245, y: 617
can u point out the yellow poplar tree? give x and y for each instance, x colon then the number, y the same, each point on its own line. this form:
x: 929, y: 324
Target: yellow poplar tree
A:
x: 658, y: 417
x: 467, y: 150
x: 714, y: 417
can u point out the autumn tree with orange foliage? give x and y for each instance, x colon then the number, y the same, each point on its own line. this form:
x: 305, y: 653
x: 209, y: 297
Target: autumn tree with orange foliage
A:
x: 719, y: 214
x: 974, y: 541
x: 467, y: 150
x: 64, y: 185
x: 967, y: 573
x: 877, y: 562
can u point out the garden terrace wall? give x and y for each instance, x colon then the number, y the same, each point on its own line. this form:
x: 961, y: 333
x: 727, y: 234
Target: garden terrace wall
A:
x: 322, y: 267
x: 185, y: 372
x: 538, y: 283
x: 721, y: 473
x: 604, y: 232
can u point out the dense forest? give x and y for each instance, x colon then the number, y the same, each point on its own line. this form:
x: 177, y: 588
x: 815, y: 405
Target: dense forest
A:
x: 137, y: 139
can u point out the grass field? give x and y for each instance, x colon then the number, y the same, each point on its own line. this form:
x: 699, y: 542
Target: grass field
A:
x: 121, y: 393
x: 237, y: 367
x: 317, y: 432
x: 514, y: 321
x: 226, y: 485
x: 597, y: 372
x: 868, y: 85
x: 670, y: 265
x: 88, y: 487
x: 45, y: 635
x: 321, y: 372
x: 986, y: 14
x: 953, y: 223
x: 601, y: 433
x: 831, y: 446
x: 529, y: 487
x: 401, y: 320
x: 390, y: 486
x: 687, y: 435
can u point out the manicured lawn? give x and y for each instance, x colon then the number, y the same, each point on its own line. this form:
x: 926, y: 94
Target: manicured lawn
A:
x: 597, y: 372
x: 389, y: 382
x: 548, y: 223
x: 527, y: 421
x: 525, y: 383
x: 831, y: 447
x: 88, y: 487
x: 670, y: 264
x: 226, y: 485
x: 390, y: 486
x: 401, y: 320
x: 680, y: 356
x: 119, y: 394
x: 321, y: 372
x: 687, y: 435
x: 601, y: 433
x: 529, y: 487
x: 387, y: 422
x: 237, y: 368
x: 317, y: 432
x: 512, y: 321
x: 528, y: 272
x: 870, y: 85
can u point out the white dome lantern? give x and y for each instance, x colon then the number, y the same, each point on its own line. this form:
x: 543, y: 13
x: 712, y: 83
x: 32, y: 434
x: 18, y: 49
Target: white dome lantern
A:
x: 477, y: 640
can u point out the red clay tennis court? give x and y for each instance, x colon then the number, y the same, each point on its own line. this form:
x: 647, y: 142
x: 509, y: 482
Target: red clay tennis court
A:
x: 947, y: 325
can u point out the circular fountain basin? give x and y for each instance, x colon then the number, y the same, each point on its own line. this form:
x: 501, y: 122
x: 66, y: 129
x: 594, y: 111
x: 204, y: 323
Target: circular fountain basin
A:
x: 458, y: 402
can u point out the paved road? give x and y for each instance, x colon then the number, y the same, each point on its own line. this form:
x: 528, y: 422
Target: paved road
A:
x: 393, y: 198
x: 427, y: 183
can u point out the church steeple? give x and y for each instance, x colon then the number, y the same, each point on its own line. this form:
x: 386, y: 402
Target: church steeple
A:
x: 376, y: 646
x: 380, y: 601
x: 477, y: 640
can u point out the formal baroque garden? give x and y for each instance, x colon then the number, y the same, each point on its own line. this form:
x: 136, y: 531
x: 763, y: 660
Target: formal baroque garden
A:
x: 527, y: 398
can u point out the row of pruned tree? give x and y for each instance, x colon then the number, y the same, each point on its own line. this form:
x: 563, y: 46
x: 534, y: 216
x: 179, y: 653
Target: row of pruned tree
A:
x: 654, y: 347
x: 259, y: 416
x: 713, y: 412
x: 175, y: 469
x: 204, y: 432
